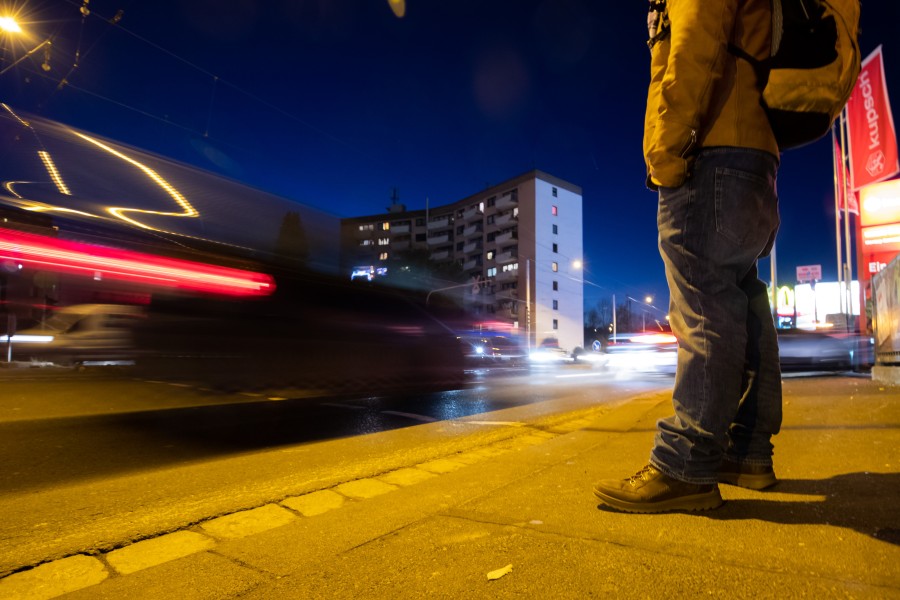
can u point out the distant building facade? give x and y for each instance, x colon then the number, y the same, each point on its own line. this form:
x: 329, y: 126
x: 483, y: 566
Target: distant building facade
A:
x: 519, y: 244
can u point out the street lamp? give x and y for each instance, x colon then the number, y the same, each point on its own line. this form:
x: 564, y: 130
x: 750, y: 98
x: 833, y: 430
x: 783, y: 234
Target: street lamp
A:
x: 10, y: 25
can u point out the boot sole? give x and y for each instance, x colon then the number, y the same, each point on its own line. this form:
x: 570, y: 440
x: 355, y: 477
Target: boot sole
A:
x: 696, y: 502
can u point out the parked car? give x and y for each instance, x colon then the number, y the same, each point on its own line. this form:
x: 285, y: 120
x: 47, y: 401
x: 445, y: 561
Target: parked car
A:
x: 80, y: 334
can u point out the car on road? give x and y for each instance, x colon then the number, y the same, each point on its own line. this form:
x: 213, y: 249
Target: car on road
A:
x: 80, y: 334
x: 824, y: 350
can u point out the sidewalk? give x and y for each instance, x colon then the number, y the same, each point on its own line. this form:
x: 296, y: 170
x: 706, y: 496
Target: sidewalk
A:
x: 524, y: 508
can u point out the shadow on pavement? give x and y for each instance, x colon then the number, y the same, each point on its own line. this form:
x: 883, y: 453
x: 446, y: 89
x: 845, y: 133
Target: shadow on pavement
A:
x: 864, y: 502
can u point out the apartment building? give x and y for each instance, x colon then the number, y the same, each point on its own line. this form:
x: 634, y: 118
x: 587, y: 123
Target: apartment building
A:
x: 519, y: 244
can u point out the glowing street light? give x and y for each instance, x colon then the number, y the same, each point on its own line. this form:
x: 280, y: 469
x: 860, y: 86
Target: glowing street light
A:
x: 9, y: 25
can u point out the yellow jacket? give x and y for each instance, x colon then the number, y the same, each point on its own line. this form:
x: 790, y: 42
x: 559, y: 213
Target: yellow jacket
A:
x: 700, y: 94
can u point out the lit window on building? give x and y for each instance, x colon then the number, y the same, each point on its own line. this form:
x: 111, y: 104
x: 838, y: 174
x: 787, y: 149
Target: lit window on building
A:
x: 490, y: 255
x: 492, y: 272
x: 367, y: 243
x: 383, y: 256
x: 553, y: 210
x: 555, y: 266
x: 386, y: 226
x: 367, y: 227
x: 386, y: 241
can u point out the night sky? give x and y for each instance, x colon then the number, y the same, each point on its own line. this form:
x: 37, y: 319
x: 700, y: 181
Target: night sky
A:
x: 336, y: 103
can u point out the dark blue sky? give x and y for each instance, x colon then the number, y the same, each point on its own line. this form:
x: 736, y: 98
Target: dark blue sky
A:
x: 333, y: 103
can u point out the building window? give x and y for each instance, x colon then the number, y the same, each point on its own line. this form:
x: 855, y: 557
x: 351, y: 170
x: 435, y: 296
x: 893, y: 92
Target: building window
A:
x: 555, y: 266
x: 420, y: 222
x: 554, y: 192
x: 490, y: 255
x: 367, y: 243
x: 367, y: 227
x: 420, y: 237
x: 555, y: 248
x: 385, y: 241
x: 492, y: 272
x: 492, y: 201
x: 555, y: 324
x: 556, y: 305
x: 554, y: 211
x: 459, y: 229
x: 555, y: 229
x: 490, y: 219
x: 386, y: 226
x: 383, y: 256
x: 555, y: 286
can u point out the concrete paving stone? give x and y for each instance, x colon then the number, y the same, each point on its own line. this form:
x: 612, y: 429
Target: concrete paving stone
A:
x: 452, y: 558
x: 203, y: 576
x: 405, y: 477
x: 364, y: 488
x: 248, y: 522
x: 315, y: 503
x: 441, y: 465
x: 53, y: 579
x: 152, y: 552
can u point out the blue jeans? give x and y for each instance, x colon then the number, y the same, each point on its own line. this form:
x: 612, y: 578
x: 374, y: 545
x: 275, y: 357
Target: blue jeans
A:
x: 727, y: 393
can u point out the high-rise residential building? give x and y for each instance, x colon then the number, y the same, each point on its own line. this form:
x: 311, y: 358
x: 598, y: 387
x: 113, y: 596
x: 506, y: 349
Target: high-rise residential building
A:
x: 518, y: 245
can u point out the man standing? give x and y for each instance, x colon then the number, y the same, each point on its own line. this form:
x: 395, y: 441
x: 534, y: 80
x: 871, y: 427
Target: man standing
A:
x: 713, y: 158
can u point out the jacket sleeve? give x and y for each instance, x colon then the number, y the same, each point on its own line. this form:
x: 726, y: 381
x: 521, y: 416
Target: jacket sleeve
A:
x: 700, y: 32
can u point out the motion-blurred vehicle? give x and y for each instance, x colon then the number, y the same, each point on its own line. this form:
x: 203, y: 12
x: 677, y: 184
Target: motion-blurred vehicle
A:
x: 492, y: 350
x: 655, y: 352
x: 824, y: 350
x: 80, y: 334
x: 549, y: 353
x: 317, y: 333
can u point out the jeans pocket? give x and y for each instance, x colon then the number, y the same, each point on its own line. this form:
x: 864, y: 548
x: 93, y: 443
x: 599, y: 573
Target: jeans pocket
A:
x: 745, y: 207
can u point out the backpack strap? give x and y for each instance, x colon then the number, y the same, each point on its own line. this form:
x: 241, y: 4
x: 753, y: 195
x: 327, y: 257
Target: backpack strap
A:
x: 657, y: 22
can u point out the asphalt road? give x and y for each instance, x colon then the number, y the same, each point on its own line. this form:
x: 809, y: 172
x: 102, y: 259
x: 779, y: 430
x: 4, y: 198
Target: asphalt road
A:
x: 93, y: 460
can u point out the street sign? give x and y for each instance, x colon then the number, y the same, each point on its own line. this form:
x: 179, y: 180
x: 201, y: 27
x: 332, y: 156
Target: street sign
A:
x: 809, y: 273
x: 596, y: 346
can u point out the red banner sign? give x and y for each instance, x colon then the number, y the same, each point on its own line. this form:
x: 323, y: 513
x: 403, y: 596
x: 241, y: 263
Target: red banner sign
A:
x: 870, y: 125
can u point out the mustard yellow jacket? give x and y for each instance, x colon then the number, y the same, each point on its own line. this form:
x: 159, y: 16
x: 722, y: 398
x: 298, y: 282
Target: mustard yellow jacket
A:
x: 700, y: 94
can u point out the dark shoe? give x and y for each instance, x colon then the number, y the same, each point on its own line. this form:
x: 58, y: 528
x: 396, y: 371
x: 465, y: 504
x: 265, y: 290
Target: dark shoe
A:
x: 651, y: 491
x: 750, y: 476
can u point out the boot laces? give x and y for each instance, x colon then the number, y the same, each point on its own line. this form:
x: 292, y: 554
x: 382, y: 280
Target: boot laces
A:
x: 643, y: 474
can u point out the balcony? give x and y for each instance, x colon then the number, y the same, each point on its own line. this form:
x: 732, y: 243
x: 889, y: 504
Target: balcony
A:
x: 506, y: 237
x: 440, y: 255
x: 504, y: 258
x: 471, y: 213
x: 472, y: 263
x: 441, y: 223
x: 400, y: 245
x: 503, y: 219
x: 506, y: 202
x: 438, y: 239
x: 472, y: 247
x: 399, y: 228
x: 472, y: 230
x: 507, y: 275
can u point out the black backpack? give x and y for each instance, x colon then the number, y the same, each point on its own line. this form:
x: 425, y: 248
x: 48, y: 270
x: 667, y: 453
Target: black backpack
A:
x: 813, y: 68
